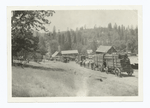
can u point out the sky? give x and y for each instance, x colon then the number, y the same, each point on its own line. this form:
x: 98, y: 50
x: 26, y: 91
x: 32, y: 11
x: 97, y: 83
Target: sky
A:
x: 71, y: 19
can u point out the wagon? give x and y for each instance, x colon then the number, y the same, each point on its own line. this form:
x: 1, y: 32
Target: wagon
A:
x: 97, y: 62
x: 114, y: 63
x: 65, y: 59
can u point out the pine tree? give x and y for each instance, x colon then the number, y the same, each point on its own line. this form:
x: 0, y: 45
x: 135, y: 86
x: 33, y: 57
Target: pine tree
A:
x: 69, y: 39
x: 115, y: 26
x: 109, y: 26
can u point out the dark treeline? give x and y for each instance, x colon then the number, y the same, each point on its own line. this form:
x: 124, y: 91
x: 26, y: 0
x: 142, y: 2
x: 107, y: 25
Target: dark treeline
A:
x: 121, y: 37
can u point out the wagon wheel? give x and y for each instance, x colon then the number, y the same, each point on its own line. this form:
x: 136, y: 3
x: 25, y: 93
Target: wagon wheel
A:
x: 118, y: 72
x: 106, y: 70
x: 130, y: 72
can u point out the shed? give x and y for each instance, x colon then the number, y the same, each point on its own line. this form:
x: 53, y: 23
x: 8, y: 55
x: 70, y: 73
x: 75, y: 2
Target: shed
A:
x: 69, y: 52
x: 105, y: 49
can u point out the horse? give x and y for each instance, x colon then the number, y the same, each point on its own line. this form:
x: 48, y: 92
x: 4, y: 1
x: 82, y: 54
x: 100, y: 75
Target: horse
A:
x: 92, y: 65
x: 81, y: 63
x: 76, y: 60
x: 87, y: 63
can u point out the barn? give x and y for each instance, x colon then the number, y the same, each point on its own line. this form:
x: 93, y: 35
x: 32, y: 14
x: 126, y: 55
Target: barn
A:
x: 105, y: 49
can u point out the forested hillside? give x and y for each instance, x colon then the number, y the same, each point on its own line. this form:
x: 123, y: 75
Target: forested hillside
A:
x: 121, y: 37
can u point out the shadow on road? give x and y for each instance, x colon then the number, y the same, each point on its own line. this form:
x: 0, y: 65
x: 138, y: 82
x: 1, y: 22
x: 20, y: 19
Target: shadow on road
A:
x: 99, y: 79
x: 125, y: 75
x: 38, y: 67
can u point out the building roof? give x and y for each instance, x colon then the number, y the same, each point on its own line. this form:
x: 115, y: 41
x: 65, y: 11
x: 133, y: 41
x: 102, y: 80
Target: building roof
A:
x: 103, y: 49
x: 55, y: 54
x: 70, y: 52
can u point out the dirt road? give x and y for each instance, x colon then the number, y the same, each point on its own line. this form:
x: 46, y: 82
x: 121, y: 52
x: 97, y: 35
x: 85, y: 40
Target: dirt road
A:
x: 94, y: 83
x: 69, y: 79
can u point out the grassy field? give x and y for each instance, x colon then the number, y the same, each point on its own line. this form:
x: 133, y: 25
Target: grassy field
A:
x: 41, y: 82
x: 51, y: 79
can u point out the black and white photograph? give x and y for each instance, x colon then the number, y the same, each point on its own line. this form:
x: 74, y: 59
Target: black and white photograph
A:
x: 76, y: 53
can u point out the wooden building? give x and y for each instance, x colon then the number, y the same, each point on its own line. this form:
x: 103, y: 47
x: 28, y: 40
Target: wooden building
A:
x: 105, y: 49
x: 70, y: 53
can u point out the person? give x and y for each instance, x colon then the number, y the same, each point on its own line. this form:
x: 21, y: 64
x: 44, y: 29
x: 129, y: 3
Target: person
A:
x: 104, y: 63
x: 127, y: 61
x: 92, y: 65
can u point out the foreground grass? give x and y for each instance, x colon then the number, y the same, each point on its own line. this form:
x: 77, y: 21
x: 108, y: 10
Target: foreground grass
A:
x: 28, y: 82
x: 58, y: 79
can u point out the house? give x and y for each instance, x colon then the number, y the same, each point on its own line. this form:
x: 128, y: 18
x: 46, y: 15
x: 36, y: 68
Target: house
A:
x: 105, y: 49
x: 70, y: 53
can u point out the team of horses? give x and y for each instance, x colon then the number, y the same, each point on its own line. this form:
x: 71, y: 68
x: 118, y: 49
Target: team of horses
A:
x: 86, y: 63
